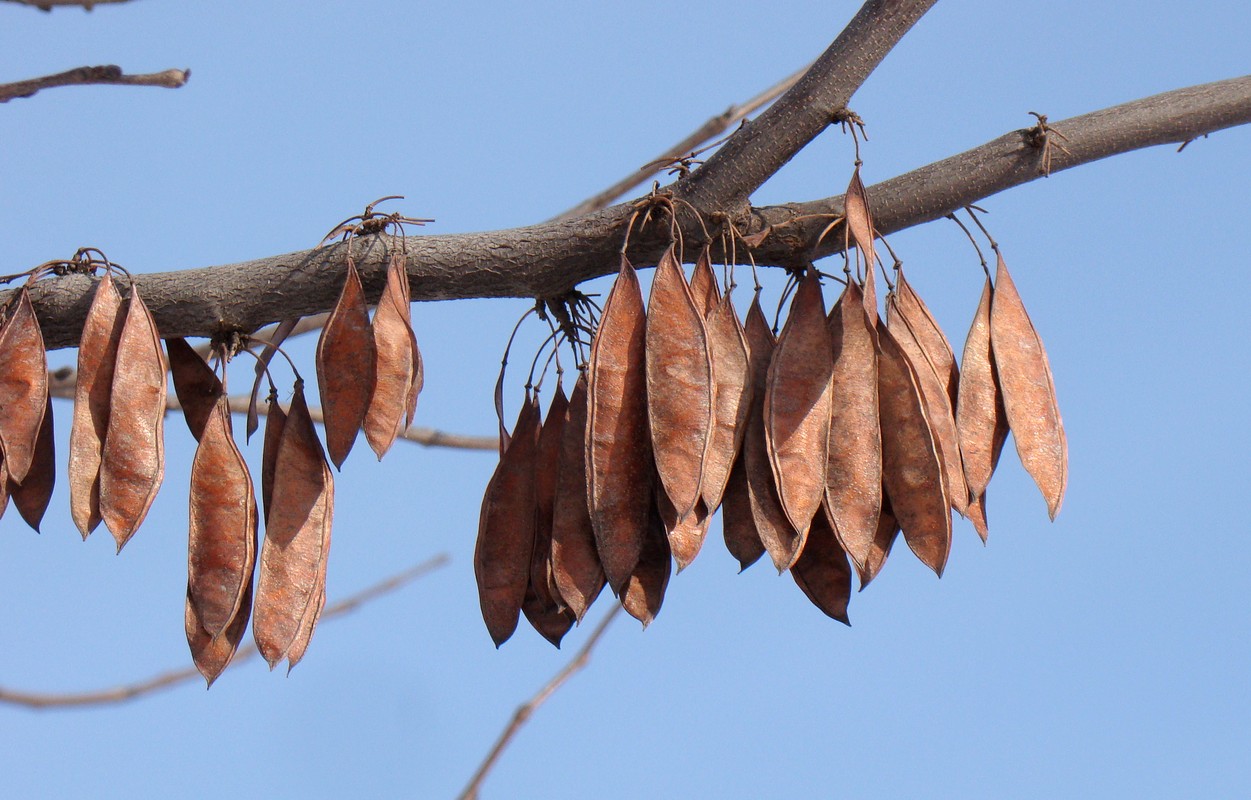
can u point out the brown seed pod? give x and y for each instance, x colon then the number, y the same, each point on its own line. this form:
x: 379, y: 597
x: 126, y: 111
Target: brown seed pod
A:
x: 704, y: 285
x: 133, y: 461
x: 686, y: 536
x: 501, y: 559
x: 797, y: 409
x: 543, y: 605
x: 197, y: 386
x: 346, y: 367
x: 575, y: 561
x: 930, y: 338
x: 853, y: 490
x: 23, y: 385
x: 213, y: 654
x: 275, y: 422
x: 644, y: 591
x: 981, y: 419
x: 679, y: 385
x: 737, y: 524
x: 297, y: 536
x: 732, y: 393
x: 861, y: 233
x: 883, y: 540
x: 398, y: 364
x: 33, y: 494
x: 619, y: 471
x: 912, y: 469
x: 822, y: 571
x: 1029, y: 394
x: 308, y: 624
x: 5, y: 484
x: 97, y: 353
x: 221, y: 550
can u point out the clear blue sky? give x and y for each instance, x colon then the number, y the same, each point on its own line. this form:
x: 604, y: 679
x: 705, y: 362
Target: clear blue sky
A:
x: 1103, y: 655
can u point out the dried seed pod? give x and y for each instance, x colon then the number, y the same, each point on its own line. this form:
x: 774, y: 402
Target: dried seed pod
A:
x: 308, y: 623
x: 732, y: 394
x: 861, y: 233
x: 883, y: 540
x: 23, y: 385
x: 981, y: 419
x: 346, y: 367
x: 644, y: 591
x: 686, y: 536
x: 912, y: 469
x: 33, y: 494
x: 197, y: 386
x: 853, y: 476
x: 977, y: 516
x: 575, y: 561
x: 221, y: 550
x: 797, y: 409
x: 679, y: 385
x: 738, y: 526
x: 5, y: 483
x: 297, y: 536
x: 822, y: 571
x: 930, y: 338
x: 704, y: 285
x: 1029, y: 394
x: 397, y: 364
x: 501, y: 559
x: 543, y: 605
x: 275, y: 422
x: 213, y: 654
x: 618, y: 443
x: 133, y: 461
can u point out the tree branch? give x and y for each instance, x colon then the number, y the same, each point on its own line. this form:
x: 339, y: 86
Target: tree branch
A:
x: 109, y: 74
x: 48, y: 5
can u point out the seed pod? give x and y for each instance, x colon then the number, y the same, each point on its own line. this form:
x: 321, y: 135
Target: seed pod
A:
x: 23, y: 385
x: 1029, y: 394
x: 5, y: 484
x: 97, y: 353
x: 912, y: 470
x: 931, y: 340
x: 704, y: 285
x: 197, y: 386
x: 883, y: 540
x: 686, y: 536
x: 853, y: 490
x: 861, y: 233
x: 619, y: 471
x: 212, y: 655
x: 679, y: 385
x: 981, y: 419
x: 308, y: 624
x: 977, y: 516
x: 33, y: 494
x: 644, y: 591
x: 297, y: 536
x: 221, y: 551
x: 737, y: 524
x: 575, y: 561
x: 732, y: 393
x: 133, y: 462
x: 797, y: 410
x: 397, y: 364
x: 345, y: 367
x: 543, y: 605
x: 501, y: 559
x: 275, y: 422
x: 822, y: 571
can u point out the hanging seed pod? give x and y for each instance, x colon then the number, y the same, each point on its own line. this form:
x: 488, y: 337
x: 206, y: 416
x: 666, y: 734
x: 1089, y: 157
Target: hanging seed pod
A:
x: 930, y: 339
x: 737, y: 524
x: 221, y: 551
x: 5, y: 484
x: 619, y: 470
x: 575, y: 561
x: 912, y: 469
x: 704, y: 289
x: 308, y: 624
x: 543, y: 605
x: 686, y: 536
x: 822, y: 571
x: 644, y: 592
x: 297, y: 536
x: 679, y: 385
x: 346, y: 367
x: 883, y: 540
x: 1029, y: 394
x: 861, y: 233
x: 275, y: 422
x: 397, y: 363
x: 981, y: 419
x: 732, y: 394
x: 33, y: 494
x: 133, y: 461
x: 23, y: 385
x: 212, y: 655
x: 853, y: 489
x: 797, y: 409
x: 501, y: 559
x: 197, y: 386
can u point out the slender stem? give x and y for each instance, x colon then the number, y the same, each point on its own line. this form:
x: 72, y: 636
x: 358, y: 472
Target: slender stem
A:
x: 81, y: 76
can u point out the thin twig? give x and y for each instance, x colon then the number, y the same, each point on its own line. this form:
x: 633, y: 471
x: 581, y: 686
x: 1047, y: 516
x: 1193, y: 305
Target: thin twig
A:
x: 166, y: 680
x: 48, y: 5
x: 80, y: 76
x: 523, y: 712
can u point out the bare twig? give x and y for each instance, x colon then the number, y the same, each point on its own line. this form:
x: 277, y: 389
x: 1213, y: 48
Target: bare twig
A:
x: 48, y: 5
x: 523, y: 712
x: 109, y: 74
x: 166, y: 680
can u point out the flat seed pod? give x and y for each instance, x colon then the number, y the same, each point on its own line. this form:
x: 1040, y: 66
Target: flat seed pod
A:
x: 307, y: 625
x: 861, y: 233
x: 686, y: 536
x: 97, y: 353
x: 679, y: 385
x: 213, y: 654
x: 297, y: 536
x: 981, y: 419
x: 32, y: 495
x: 797, y: 408
x: 1029, y: 394
x: 823, y: 572
x: 197, y: 386
x: 977, y: 516
x: 930, y: 338
x: 550, y: 620
x: 23, y: 385
x: 133, y: 462
x: 619, y: 456
x: 346, y: 367
x: 644, y: 592
x: 704, y: 285
x: 543, y: 605
x: 732, y: 392
x: 501, y: 559
x: 575, y: 560
x: 774, y: 530
x: 853, y: 490
x: 275, y: 422
x: 883, y: 540
x: 5, y: 484
x: 397, y: 363
x: 738, y: 526
x: 221, y: 550
x: 912, y: 470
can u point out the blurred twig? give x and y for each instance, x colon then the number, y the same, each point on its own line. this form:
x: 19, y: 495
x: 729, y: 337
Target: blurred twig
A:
x: 109, y: 74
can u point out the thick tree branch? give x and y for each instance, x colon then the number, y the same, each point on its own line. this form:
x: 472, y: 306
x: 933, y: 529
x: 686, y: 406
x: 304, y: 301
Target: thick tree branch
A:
x: 109, y: 74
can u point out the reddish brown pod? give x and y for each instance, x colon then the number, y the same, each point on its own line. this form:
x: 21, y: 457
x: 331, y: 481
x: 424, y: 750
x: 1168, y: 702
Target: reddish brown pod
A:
x: 543, y: 605
x: 398, y: 367
x: 732, y: 389
x: 883, y: 540
x: 644, y: 591
x: 822, y: 571
x: 704, y: 289
x: 196, y: 385
x: 213, y: 654
x: 738, y: 526
x: 981, y: 421
x: 32, y: 495
x: 275, y: 422
x: 23, y: 385
x: 575, y: 560
x: 346, y: 367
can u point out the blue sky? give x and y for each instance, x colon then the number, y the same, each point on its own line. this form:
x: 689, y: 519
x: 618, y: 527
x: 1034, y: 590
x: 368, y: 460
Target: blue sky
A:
x: 1103, y: 654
